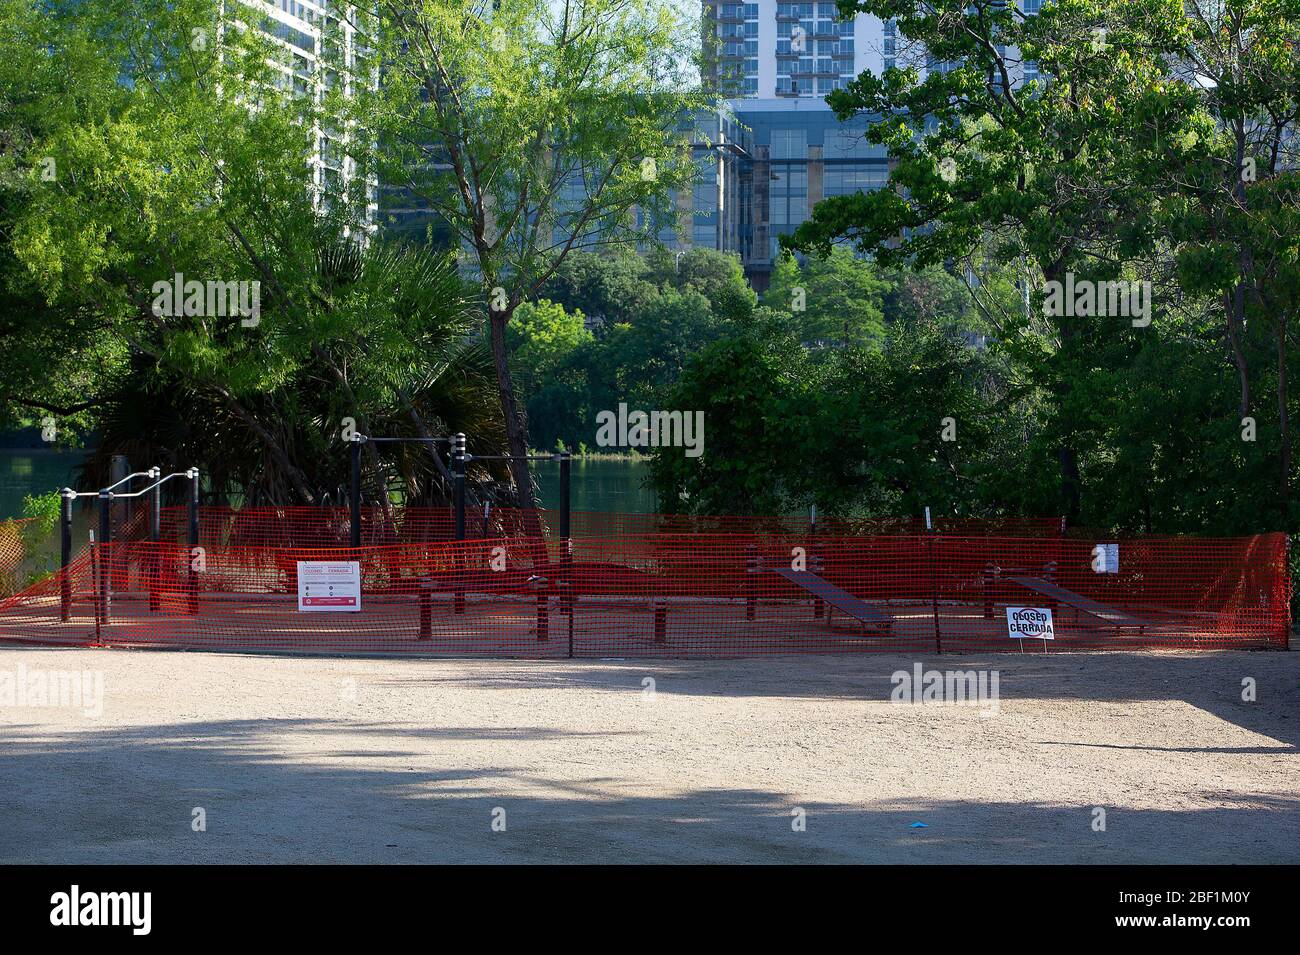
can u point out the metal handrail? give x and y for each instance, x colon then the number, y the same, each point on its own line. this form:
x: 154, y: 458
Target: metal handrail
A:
x: 191, y: 473
x: 515, y: 457
x: 68, y: 492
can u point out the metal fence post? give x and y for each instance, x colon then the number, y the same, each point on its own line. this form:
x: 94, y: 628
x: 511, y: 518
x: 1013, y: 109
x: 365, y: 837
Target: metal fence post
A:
x: 65, y: 553
x: 568, y: 597
x: 104, y: 545
x: 566, y: 462
x: 458, y: 490
x: 155, y: 535
x: 355, y: 495
x: 193, y: 588
x: 934, y: 585
x: 458, y: 481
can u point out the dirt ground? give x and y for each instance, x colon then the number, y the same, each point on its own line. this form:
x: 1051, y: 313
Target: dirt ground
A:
x: 311, y: 759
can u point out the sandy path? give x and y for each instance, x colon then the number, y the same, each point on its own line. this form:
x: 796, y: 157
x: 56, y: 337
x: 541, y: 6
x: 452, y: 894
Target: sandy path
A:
x: 398, y: 760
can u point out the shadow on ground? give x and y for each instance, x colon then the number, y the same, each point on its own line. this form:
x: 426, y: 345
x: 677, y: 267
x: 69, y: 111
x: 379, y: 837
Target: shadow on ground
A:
x: 128, y: 795
x: 1211, y: 681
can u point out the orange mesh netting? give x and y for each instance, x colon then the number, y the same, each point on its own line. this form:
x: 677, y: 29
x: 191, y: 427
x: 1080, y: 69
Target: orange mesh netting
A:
x: 747, y: 586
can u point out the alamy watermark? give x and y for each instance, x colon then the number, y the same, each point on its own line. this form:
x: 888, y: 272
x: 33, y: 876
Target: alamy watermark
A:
x: 42, y: 689
x: 176, y: 296
x: 953, y: 687
x: 1086, y: 298
x: 75, y: 907
x: 654, y: 429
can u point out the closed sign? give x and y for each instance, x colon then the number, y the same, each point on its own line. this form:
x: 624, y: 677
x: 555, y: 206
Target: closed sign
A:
x: 1030, y: 623
x: 329, y: 585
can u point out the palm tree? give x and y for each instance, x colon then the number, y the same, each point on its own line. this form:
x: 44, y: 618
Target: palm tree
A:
x: 381, y: 337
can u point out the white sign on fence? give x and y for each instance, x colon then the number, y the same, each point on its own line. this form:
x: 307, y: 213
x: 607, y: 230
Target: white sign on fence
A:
x: 1105, y: 559
x: 1030, y: 623
x: 329, y: 585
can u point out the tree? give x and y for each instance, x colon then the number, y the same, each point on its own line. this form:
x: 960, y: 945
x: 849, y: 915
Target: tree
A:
x: 718, y: 276
x: 199, y: 165
x: 546, y: 343
x: 864, y: 432
x: 836, y: 298
x: 606, y: 288
x: 1231, y: 207
x: 534, y: 130
x: 1054, y: 174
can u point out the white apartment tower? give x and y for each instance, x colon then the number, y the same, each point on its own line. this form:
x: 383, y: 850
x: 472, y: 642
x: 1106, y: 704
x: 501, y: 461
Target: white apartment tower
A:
x: 774, y: 48
x: 323, y: 52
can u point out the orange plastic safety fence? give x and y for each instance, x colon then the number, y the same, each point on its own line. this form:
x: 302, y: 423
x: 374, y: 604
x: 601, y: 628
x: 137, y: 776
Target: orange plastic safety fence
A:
x: 682, y: 595
x: 330, y: 526
x: 13, y: 554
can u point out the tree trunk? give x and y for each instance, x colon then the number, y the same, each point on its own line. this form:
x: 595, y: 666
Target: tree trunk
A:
x: 516, y: 425
x: 1066, y: 455
x: 1238, y: 355
x: 1284, y: 421
x: 291, y: 471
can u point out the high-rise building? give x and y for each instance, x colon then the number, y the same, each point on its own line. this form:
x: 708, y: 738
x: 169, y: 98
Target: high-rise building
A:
x: 324, y: 51
x: 772, y: 48
x: 777, y: 61
x: 786, y: 151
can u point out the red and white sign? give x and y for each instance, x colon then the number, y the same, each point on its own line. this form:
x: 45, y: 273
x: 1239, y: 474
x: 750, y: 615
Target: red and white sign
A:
x: 325, y: 585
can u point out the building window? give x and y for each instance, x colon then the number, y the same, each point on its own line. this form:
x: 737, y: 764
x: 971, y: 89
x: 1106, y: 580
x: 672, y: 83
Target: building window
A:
x: 789, y: 144
x: 841, y: 179
x: 845, y: 142
x: 789, y: 194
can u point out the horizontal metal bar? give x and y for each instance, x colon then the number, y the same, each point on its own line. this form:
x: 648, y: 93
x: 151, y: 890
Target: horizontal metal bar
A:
x: 512, y: 457
x: 152, y: 472
x: 158, y: 483
x: 404, y: 440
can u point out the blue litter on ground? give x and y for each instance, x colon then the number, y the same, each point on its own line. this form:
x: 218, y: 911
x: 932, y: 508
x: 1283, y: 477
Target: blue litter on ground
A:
x: 918, y: 825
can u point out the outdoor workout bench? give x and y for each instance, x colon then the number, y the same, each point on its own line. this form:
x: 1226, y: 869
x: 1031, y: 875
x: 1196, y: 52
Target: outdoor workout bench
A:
x: 833, y: 596
x: 1116, y: 618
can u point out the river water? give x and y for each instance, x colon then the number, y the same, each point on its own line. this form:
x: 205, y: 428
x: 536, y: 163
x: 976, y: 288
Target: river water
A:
x: 598, y: 484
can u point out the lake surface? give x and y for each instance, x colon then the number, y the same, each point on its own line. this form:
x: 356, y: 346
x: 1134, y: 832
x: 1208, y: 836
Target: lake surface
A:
x: 598, y: 484
x: 24, y: 472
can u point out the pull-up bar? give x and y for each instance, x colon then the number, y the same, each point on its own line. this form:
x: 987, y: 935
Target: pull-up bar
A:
x: 460, y: 459
x: 106, y: 496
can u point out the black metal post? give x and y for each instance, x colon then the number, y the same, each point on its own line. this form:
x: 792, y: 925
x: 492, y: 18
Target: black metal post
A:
x: 934, y: 588
x: 119, y: 473
x: 543, y: 609
x: 65, y: 553
x: 660, y: 607
x: 426, y: 610
x: 458, y: 490
x: 566, y: 462
x: 818, y: 568
x: 815, y: 562
x: 566, y: 541
x: 458, y: 481
x: 753, y: 565
x: 193, y: 475
x: 355, y: 496
x: 104, y: 545
x: 988, y: 591
x: 155, y: 559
